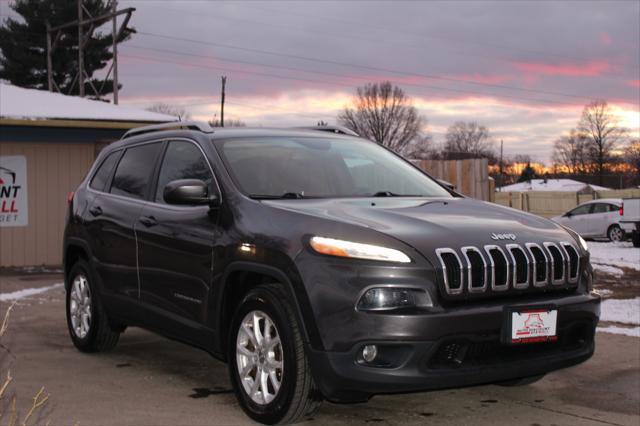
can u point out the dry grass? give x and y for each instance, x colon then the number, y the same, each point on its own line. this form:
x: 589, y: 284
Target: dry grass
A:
x: 39, y: 400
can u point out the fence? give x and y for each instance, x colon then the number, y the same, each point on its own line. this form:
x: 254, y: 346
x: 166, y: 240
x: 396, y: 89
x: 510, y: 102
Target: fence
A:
x: 470, y: 177
x: 549, y: 204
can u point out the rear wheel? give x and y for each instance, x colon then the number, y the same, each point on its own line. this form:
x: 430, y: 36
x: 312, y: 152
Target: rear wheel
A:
x: 267, y: 359
x: 635, y: 238
x: 87, y: 321
x: 615, y: 233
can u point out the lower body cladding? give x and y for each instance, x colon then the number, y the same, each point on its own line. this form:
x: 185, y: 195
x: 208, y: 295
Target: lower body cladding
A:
x: 459, y: 347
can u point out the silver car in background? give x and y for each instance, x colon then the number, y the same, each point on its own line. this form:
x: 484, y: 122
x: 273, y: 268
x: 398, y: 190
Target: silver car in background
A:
x: 595, y: 219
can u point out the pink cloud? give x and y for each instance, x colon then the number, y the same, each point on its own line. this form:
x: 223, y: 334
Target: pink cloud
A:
x: 633, y: 83
x: 591, y: 69
x: 605, y: 38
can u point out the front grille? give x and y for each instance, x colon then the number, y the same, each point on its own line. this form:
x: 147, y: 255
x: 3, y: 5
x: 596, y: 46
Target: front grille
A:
x: 494, y: 269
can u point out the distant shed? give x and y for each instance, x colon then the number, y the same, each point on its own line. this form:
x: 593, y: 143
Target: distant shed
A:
x: 48, y: 142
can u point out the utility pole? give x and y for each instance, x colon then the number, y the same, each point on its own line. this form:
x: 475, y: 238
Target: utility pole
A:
x: 224, y: 83
x: 80, y: 52
x: 114, y: 9
x: 501, y: 163
x: 54, y: 34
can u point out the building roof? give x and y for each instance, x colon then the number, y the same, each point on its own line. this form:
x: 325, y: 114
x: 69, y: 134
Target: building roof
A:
x: 564, y: 185
x: 18, y: 103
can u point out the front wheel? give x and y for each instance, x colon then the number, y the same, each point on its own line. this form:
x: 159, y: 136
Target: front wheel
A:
x: 88, y: 323
x: 268, y: 361
x: 615, y: 233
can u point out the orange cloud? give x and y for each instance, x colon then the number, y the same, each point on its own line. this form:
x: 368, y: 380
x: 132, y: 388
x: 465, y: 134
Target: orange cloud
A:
x: 590, y: 69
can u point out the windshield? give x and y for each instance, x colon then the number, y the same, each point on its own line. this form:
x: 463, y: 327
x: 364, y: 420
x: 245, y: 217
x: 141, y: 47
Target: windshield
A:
x: 310, y: 167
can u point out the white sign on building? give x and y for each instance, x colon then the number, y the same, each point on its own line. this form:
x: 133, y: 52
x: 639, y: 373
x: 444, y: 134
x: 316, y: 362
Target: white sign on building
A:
x: 13, y: 191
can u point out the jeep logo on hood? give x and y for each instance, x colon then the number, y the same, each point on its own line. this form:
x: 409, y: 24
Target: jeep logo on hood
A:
x: 495, y: 236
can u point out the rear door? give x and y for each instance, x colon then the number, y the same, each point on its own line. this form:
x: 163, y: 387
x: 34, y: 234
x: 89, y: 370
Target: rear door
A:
x: 175, y: 245
x: 111, y: 219
x: 599, y: 219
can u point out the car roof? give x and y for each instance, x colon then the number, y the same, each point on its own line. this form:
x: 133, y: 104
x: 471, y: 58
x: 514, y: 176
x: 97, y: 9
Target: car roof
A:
x: 252, y: 132
x: 604, y: 200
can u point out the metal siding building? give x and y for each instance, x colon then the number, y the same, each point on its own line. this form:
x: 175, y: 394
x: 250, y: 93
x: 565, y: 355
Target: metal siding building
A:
x: 58, y: 153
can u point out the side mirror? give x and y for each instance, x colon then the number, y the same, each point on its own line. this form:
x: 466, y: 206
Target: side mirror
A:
x: 192, y: 192
x: 568, y: 214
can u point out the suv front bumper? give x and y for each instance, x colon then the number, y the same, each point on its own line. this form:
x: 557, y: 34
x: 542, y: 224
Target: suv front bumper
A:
x: 465, y: 350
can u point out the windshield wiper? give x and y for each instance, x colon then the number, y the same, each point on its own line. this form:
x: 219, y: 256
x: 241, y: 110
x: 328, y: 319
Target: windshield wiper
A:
x: 393, y: 194
x: 285, y: 196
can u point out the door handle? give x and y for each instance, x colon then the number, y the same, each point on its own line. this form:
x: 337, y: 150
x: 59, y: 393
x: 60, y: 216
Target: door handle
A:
x: 148, y: 221
x: 95, y: 211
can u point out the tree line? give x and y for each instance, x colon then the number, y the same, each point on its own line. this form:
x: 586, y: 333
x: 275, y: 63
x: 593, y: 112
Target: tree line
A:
x: 596, y: 146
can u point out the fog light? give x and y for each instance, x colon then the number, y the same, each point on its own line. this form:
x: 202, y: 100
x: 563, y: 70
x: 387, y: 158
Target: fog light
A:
x: 384, y: 298
x: 369, y: 353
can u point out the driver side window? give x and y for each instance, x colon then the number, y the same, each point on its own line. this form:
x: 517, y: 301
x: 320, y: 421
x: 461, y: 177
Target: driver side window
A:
x: 182, y: 160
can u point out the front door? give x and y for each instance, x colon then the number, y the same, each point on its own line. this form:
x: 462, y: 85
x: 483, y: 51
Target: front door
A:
x: 175, y: 244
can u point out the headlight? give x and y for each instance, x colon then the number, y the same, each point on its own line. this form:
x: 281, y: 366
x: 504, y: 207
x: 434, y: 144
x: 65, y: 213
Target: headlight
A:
x: 340, y: 248
x: 583, y: 243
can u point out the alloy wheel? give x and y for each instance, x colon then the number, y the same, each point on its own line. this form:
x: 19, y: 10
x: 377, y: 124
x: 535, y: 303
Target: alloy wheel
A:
x: 80, y: 306
x: 259, y: 357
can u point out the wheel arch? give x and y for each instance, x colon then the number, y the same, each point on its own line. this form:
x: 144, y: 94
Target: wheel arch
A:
x: 240, y: 277
x: 74, y: 250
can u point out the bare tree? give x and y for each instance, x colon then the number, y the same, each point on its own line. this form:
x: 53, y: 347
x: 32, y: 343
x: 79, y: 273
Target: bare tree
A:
x: 181, y: 113
x: 570, y: 152
x: 468, y: 139
x: 215, y: 122
x: 383, y: 113
x: 421, y: 148
x: 603, y: 132
x: 632, y: 156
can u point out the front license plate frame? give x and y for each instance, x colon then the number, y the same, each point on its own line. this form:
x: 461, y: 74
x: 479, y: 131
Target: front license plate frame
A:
x: 530, y: 324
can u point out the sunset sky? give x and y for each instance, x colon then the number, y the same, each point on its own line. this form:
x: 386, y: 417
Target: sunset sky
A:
x: 524, y: 69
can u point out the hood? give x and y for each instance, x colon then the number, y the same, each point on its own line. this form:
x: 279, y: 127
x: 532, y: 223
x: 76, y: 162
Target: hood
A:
x: 427, y: 224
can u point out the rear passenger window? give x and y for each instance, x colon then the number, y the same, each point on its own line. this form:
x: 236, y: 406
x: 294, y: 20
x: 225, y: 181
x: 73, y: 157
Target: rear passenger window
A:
x: 134, y: 170
x: 183, y: 160
x: 100, y: 178
x: 600, y: 208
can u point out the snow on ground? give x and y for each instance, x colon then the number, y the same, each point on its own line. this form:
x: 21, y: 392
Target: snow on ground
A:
x: 612, y: 270
x: 617, y: 255
x: 633, y: 331
x: 625, y: 311
x: 21, y: 294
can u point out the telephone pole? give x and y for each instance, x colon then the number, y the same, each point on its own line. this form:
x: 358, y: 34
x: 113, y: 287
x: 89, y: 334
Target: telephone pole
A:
x: 84, y: 37
x: 224, y: 83
x: 501, y: 164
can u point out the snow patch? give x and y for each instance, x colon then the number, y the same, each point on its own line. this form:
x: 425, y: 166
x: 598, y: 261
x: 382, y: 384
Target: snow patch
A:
x: 633, y: 332
x: 621, y: 255
x: 625, y: 311
x: 612, y: 270
x: 27, y: 292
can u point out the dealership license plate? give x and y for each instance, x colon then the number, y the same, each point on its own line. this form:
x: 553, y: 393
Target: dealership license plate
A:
x: 533, y: 325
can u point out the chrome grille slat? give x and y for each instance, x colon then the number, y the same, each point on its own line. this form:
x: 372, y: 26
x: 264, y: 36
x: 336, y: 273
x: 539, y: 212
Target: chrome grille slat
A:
x: 447, y: 281
x: 493, y: 268
x: 470, y: 270
x: 555, y: 265
x: 531, y: 248
x: 497, y: 269
x: 519, y: 284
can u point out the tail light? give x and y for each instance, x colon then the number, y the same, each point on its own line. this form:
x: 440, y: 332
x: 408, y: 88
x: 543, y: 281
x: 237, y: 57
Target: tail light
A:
x: 621, y: 209
x: 70, y: 197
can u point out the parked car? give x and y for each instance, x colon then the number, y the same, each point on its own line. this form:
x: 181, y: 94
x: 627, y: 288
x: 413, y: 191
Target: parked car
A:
x: 318, y: 266
x: 595, y: 219
x: 630, y: 220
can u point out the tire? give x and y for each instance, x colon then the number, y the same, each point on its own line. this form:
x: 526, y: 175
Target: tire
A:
x: 615, y: 233
x: 96, y: 334
x: 521, y: 382
x: 635, y: 238
x: 297, y: 396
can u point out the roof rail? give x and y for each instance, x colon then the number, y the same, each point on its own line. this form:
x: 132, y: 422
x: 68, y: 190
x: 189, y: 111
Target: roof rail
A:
x: 173, y: 125
x: 333, y: 129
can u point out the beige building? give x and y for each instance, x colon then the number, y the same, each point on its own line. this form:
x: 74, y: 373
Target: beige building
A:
x: 47, y: 144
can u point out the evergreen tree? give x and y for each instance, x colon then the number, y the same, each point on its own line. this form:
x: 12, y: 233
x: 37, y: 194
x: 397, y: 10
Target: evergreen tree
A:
x: 23, y: 43
x: 527, y: 174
